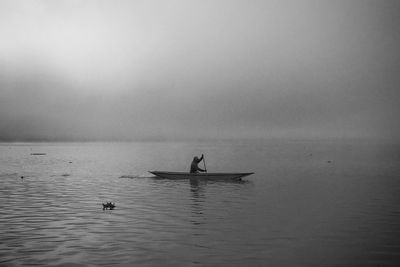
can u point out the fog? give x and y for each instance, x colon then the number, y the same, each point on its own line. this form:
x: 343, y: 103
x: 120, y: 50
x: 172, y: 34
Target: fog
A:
x: 160, y: 70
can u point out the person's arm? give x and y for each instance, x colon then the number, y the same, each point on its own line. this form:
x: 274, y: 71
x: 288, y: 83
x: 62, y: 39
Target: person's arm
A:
x: 200, y: 169
x: 201, y: 158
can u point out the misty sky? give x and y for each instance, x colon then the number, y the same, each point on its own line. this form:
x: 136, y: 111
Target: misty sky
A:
x: 127, y: 70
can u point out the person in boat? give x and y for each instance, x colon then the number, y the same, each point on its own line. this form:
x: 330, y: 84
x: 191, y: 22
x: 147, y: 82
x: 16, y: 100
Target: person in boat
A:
x: 194, y: 168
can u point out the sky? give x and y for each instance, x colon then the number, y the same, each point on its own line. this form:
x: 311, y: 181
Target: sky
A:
x: 181, y: 69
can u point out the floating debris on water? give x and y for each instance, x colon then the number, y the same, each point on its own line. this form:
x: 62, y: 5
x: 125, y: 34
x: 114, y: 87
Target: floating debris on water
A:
x: 108, y: 205
x: 66, y: 175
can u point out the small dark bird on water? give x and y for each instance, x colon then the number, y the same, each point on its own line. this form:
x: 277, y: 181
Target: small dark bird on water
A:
x: 109, y: 205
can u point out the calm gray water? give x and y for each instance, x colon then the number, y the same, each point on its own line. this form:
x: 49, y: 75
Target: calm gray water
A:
x: 319, y: 203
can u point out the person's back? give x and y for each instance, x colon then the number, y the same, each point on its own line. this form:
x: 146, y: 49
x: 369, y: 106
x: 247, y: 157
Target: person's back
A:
x: 194, y: 168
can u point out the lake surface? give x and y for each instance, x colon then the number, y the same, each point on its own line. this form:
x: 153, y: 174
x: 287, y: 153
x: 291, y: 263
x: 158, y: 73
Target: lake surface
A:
x: 309, y: 203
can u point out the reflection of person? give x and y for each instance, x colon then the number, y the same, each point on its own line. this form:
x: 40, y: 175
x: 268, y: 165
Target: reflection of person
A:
x: 194, y: 168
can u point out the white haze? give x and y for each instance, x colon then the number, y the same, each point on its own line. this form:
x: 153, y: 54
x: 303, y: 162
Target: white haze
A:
x: 134, y: 70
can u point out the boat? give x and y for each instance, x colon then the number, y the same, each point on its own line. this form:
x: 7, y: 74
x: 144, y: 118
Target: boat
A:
x: 204, y: 175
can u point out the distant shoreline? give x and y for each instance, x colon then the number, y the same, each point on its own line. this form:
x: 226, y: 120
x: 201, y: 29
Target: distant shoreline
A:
x: 200, y: 140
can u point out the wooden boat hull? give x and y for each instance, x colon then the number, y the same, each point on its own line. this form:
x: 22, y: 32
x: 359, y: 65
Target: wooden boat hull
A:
x: 206, y: 176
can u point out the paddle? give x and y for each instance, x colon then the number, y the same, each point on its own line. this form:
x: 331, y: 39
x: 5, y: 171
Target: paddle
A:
x: 204, y: 162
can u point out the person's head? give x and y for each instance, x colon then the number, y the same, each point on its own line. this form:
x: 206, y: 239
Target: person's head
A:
x: 196, y: 159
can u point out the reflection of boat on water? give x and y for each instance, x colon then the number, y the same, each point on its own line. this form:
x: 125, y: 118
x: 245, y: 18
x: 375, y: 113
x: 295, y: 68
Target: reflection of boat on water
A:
x: 207, y: 176
x: 197, y: 193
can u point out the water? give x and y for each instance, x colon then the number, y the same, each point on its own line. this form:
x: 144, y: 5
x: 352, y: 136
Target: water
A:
x: 319, y: 203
